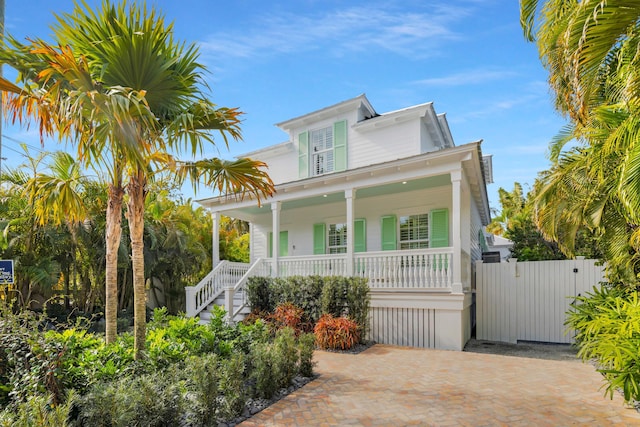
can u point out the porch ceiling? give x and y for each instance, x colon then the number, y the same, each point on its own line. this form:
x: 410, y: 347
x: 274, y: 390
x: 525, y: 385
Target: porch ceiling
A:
x: 361, y: 193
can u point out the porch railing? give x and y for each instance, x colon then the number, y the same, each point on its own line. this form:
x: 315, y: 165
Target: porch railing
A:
x: 224, y: 275
x: 321, y: 265
x: 417, y: 268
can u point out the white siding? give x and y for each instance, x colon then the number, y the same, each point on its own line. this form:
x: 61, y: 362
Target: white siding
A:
x: 382, y: 145
x: 364, y: 147
x: 476, y: 226
x: 282, y: 167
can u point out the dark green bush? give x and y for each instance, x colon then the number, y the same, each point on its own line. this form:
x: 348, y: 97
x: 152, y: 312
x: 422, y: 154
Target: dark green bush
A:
x: 37, y: 411
x: 202, y: 381
x: 334, y: 295
x: 263, y: 370
x: 258, y: 294
x: 29, y: 364
x: 306, y: 345
x: 275, y: 364
x: 358, y: 300
x: 308, y: 296
x: 286, y: 356
x: 154, y: 400
x: 233, y: 392
x: 607, y: 322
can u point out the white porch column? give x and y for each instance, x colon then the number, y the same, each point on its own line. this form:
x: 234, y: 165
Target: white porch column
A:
x: 275, y: 230
x: 215, y: 234
x: 348, y: 194
x: 252, y: 256
x: 456, y: 179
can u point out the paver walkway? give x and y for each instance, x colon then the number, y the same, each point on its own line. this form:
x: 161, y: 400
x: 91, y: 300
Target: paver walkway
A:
x: 396, y: 386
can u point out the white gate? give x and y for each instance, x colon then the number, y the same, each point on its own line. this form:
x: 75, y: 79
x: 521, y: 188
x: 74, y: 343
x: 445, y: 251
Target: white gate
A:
x: 528, y: 301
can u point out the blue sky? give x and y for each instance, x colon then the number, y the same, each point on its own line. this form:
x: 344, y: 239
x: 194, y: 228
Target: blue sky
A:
x: 276, y: 60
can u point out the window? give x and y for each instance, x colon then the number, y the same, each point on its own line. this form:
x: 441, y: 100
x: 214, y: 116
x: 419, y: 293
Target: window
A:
x: 337, y: 238
x: 414, y: 231
x: 322, y: 151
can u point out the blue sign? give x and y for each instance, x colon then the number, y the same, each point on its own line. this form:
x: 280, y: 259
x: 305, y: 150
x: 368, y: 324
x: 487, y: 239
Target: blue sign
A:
x: 6, y: 271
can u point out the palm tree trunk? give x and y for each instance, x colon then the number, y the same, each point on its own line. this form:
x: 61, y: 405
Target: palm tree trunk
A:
x: 113, y: 234
x: 135, y: 215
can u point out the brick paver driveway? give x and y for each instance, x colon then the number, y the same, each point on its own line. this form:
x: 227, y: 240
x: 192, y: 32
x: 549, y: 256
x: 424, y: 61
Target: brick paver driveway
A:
x: 396, y: 386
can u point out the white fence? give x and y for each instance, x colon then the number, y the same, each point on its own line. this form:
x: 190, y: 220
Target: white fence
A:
x: 528, y: 301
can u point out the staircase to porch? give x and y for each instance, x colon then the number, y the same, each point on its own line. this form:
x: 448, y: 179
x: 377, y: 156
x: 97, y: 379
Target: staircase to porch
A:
x: 223, y: 286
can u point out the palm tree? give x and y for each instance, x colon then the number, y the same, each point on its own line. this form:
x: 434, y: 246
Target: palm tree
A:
x: 581, y: 43
x: 61, y: 94
x: 123, y: 85
x: 590, y: 50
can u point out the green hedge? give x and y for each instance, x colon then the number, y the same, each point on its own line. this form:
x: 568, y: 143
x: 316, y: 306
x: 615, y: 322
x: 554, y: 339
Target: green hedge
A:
x: 316, y: 295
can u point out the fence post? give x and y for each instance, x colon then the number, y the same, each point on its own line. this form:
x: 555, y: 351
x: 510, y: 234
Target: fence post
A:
x: 228, y: 302
x: 190, y: 300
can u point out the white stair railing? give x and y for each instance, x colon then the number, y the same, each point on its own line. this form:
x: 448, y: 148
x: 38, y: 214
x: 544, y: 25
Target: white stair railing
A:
x: 204, y: 293
x: 259, y: 268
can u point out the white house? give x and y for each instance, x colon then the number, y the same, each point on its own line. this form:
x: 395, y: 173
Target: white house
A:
x: 389, y: 197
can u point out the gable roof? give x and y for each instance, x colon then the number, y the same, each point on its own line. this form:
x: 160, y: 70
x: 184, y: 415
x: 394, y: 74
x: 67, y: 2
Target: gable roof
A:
x: 359, y: 102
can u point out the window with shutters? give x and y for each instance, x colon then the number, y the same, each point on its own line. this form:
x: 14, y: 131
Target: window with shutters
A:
x: 322, y: 151
x: 414, y: 231
x: 337, y: 238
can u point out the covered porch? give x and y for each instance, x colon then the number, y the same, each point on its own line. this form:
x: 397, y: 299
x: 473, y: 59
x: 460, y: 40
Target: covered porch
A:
x: 404, y: 225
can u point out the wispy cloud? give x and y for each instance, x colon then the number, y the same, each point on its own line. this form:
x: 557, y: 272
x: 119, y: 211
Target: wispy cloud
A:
x: 466, y: 78
x: 342, y: 31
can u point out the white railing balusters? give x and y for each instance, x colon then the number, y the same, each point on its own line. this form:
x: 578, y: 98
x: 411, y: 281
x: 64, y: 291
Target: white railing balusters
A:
x: 225, y: 274
x: 416, y: 268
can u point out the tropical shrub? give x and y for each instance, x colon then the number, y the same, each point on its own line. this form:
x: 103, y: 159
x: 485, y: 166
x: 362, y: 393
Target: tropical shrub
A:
x: 607, y: 322
x: 287, y: 315
x: 275, y: 364
x: 358, y: 300
x: 38, y: 411
x: 334, y: 295
x: 215, y: 388
x: 336, y: 333
x: 258, y: 293
x: 154, y: 399
x: 306, y: 345
x: 29, y: 364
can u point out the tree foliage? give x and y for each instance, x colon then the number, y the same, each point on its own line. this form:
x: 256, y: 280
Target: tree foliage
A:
x: 590, y: 50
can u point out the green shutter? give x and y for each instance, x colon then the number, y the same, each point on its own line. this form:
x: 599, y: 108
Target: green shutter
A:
x: 319, y: 239
x: 284, y: 243
x: 340, y: 145
x: 359, y: 235
x: 303, y: 155
x: 483, y: 241
x: 388, y: 225
x: 439, y: 236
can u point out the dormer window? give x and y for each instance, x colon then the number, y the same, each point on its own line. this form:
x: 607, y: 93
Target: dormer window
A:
x: 321, y: 151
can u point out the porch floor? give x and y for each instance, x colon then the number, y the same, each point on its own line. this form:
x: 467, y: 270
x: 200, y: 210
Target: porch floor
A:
x: 394, y: 386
